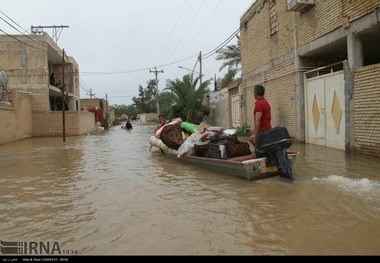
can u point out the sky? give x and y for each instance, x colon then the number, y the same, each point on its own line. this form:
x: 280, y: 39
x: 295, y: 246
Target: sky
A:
x: 117, y: 42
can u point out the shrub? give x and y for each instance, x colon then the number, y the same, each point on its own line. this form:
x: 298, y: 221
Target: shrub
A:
x: 99, y: 114
x: 243, y: 131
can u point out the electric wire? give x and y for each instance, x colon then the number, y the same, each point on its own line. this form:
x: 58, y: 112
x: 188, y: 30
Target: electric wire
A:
x: 175, y: 25
x: 14, y: 22
x: 204, y: 24
x: 192, y: 21
x: 21, y: 41
x: 34, y: 40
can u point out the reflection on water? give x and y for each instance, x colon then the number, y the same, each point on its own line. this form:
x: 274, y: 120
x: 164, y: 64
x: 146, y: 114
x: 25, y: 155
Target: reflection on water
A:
x: 109, y: 194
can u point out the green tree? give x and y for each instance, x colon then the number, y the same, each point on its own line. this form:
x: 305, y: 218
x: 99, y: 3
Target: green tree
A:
x: 231, y: 55
x: 188, y: 101
x: 132, y: 111
x: 120, y: 110
x: 166, y: 104
x: 146, y: 100
x: 129, y: 110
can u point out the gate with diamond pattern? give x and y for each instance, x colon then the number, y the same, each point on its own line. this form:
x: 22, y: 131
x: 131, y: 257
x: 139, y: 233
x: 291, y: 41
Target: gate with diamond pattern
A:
x: 325, y: 110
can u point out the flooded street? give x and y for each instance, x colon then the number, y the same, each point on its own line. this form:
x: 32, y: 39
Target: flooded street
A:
x: 109, y: 195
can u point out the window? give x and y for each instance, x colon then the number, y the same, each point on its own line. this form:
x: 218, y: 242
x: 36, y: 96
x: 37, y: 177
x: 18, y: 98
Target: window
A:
x: 273, y: 17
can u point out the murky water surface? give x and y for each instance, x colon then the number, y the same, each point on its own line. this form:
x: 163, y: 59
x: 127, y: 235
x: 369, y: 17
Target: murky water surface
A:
x: 109, y: 195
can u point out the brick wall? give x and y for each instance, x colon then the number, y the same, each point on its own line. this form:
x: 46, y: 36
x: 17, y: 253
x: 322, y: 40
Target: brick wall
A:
x: 327, y: 16
x: 324, y: 17
x: 50, y: 123
x: 367, y: 110
x: 24, y: 64
x: 279, y: 91
x: 40, y: 101
x: 270, y: 59
x: 354, y: 9
x: 256, y: 36
x: 16, y: 120
x: 260, y: 49
x: 92, y: 103
x: 87, y: 122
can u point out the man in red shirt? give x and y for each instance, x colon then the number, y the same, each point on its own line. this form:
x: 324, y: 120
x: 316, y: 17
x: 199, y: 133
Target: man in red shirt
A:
x: 261, y: 113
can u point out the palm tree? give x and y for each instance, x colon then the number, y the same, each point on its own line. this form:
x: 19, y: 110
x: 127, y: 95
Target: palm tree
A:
x: 188, y: 99
x: 232, y: 56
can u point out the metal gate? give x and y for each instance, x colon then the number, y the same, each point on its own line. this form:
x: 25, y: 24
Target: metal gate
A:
x: 325, y: 110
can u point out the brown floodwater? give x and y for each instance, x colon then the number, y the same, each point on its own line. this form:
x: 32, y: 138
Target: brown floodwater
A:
x: 110, y: 195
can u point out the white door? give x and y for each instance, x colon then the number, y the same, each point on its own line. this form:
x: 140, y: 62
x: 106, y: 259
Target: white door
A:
x: 315, y: 116
x: 235, y: 111
x: 325, y: 110
x: 335, y: 111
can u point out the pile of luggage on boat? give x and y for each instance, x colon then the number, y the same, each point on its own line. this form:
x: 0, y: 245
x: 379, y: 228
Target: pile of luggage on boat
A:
x: 201, y: 140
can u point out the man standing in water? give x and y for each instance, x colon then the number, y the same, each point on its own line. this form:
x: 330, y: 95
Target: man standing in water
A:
x: 261, y: 114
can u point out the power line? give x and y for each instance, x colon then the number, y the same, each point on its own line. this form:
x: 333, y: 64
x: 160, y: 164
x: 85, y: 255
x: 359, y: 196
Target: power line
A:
x: 22, y: 32
x: 175, y: 25
x: 213, y: 11
x: 188, y: 28
x: 204, y: 56
x: 81, y: 83
x: 136, y: 70
x: 21, y: 41
x: 224, y: 43
x: 156, y: 72
x: 14, y: 22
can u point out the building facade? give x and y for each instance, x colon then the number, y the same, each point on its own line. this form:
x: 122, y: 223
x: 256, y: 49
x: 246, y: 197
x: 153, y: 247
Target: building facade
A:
x: 29, y: 61
x: 320, y: 63
x: 225, y: 107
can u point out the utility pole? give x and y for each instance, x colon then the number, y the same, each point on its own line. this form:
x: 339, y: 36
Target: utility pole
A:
x: 91, y: 94
x: 57, y: 30
x: 155, y: 71
x: 200, y: 68
x: 63, y: 96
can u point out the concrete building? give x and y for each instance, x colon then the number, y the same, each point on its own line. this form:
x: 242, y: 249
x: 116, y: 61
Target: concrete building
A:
x: 34, y: 107
x: 225, y: 110
x: 320, y: 63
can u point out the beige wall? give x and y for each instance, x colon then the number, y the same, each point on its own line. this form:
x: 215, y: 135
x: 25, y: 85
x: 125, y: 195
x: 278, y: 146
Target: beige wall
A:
x: 86, y: 104
x: 50, y: 123
x: 367, y: 110
x: 278, y: 61
x: 219, y: 105
x: 40, y: 101
x: 92, y: 103
x: 146, y: 118
x: 28, y: 71
x: 258, y: 47
x: 23, y: 63
x: 87, y: 122
x: 280, y: 92
x: 269, y: 60
x: 16, y: 122
x: 316, y: 22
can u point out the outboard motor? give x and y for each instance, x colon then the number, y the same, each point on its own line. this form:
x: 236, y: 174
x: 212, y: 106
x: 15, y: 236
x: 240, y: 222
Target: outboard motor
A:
x: 273, y: 144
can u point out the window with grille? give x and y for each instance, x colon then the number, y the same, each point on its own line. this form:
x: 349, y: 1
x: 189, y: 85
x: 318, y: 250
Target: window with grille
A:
x: 273, y: 17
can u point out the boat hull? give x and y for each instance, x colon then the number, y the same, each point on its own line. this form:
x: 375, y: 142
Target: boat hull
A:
x: 248, y: 166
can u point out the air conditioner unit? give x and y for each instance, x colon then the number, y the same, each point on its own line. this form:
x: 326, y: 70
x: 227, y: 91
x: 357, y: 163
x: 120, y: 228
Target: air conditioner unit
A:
x: 299, y: 5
